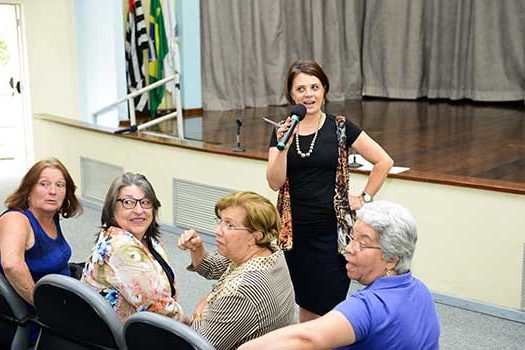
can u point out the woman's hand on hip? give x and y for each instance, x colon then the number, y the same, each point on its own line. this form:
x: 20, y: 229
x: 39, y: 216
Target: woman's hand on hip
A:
x: 356, y: 202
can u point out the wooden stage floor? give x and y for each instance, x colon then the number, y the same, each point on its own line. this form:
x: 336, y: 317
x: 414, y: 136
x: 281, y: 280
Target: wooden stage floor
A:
x: 476, y: 144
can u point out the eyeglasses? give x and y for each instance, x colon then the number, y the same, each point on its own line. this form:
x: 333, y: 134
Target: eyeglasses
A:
x: 226, y: 226
x: 358, y: 246
x: 46, y: 185
x: 131, y: 203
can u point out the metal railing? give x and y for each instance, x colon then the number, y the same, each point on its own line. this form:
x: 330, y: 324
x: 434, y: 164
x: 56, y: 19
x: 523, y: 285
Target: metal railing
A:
x: 130, y: 99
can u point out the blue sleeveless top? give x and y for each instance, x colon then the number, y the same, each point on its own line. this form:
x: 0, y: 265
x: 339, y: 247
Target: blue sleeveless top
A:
x: 46, y: 256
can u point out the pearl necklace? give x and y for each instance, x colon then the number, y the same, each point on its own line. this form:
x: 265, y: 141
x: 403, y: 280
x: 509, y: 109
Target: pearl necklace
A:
x: 312, y: 144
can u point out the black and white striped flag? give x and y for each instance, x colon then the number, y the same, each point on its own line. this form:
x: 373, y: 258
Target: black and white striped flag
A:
x: 136, y: 43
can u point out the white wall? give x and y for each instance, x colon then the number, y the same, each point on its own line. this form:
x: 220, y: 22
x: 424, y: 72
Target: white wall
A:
x: 101, y: 59
x: 49, y: 29
x: 471, y: 242
x: 189, y: 21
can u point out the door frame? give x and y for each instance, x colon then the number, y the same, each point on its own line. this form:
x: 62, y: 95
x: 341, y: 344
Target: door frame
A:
x: 27, y: 124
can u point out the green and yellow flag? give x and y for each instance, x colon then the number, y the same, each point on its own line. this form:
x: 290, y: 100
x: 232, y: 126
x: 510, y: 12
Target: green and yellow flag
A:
x: 158, y: 50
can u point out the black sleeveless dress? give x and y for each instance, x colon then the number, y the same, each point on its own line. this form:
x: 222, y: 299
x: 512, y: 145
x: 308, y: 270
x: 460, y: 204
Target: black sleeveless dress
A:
x: 317, y: 270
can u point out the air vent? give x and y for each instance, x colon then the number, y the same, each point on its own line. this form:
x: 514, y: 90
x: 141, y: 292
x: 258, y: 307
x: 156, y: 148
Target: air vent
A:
x: 194, y: 203
x: 96, y: 177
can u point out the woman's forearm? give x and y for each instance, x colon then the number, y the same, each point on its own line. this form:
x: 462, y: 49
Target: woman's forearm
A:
x: 276, y: 168
x: 378, y: 175
x: 288, y: 338
x: 197, y: 256
x: 20, y: 279
x: 375, y: 154
x: 329, y: 331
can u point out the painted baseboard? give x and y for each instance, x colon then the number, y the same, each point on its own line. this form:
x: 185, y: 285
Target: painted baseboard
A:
x: 477, y: 306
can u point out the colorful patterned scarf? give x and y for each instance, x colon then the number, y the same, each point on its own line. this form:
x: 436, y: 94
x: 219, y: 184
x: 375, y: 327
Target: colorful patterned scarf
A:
x: 344, y: 215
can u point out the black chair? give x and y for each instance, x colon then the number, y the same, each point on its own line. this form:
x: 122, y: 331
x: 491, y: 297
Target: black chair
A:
x: 147, y: 330
x: 14, y: 318
x: 76, y: 269
x: 73, y: 316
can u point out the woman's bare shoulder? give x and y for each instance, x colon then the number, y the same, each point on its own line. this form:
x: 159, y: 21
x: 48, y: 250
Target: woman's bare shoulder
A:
x: 14, y: 223
x: 14, y: 217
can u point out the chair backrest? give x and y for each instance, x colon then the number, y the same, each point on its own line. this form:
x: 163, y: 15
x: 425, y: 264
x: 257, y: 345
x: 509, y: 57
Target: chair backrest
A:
x: 76, y: 269
x: 75, y: 316
x: 14, y: 317
x: 147, y: 330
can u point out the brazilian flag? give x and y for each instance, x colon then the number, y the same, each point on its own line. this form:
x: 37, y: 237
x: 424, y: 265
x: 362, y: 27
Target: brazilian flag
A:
x: 158, y: 50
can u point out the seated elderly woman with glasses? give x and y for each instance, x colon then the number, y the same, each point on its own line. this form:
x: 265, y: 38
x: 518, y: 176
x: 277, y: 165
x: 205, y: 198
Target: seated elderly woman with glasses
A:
x: 128, y: 264
x: 254, y: 294
x: 394, y: 310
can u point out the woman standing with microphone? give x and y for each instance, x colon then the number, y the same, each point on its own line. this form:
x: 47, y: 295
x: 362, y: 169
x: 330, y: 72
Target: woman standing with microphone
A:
x: 311, y: 175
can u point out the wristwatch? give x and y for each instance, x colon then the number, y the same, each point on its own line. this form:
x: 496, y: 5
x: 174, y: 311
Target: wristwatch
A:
x: 367, y: 198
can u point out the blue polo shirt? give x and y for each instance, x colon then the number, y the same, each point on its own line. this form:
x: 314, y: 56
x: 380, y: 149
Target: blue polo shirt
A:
x: 395, y: 312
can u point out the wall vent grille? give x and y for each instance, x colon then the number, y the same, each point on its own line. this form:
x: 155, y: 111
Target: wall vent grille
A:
x: 194, y: 203
x: 96, y: 177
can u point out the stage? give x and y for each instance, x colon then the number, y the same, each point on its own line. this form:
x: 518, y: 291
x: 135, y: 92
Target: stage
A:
x: 464, y: 143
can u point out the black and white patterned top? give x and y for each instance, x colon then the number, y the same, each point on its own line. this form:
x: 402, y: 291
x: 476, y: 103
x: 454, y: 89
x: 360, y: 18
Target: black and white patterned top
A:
x: 247, y: 301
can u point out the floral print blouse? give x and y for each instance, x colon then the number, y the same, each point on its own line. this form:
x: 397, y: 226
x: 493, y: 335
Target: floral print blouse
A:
x: 124, y: 271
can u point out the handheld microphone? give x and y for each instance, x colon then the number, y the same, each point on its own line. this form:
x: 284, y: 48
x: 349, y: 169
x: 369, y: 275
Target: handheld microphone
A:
x: 297, y: 114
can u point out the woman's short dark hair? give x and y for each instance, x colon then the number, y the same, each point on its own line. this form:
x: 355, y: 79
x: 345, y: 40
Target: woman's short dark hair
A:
x: 125, y: 180
x: 309, y: 67
x: 19, y: 200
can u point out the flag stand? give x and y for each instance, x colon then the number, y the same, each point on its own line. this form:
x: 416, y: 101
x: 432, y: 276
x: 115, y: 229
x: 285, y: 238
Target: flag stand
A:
x: 136, y: 42
x: 131, y: 103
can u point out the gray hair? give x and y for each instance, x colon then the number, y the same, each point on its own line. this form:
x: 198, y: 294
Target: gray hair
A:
x: 396, y: 229
x: 125, y: 180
